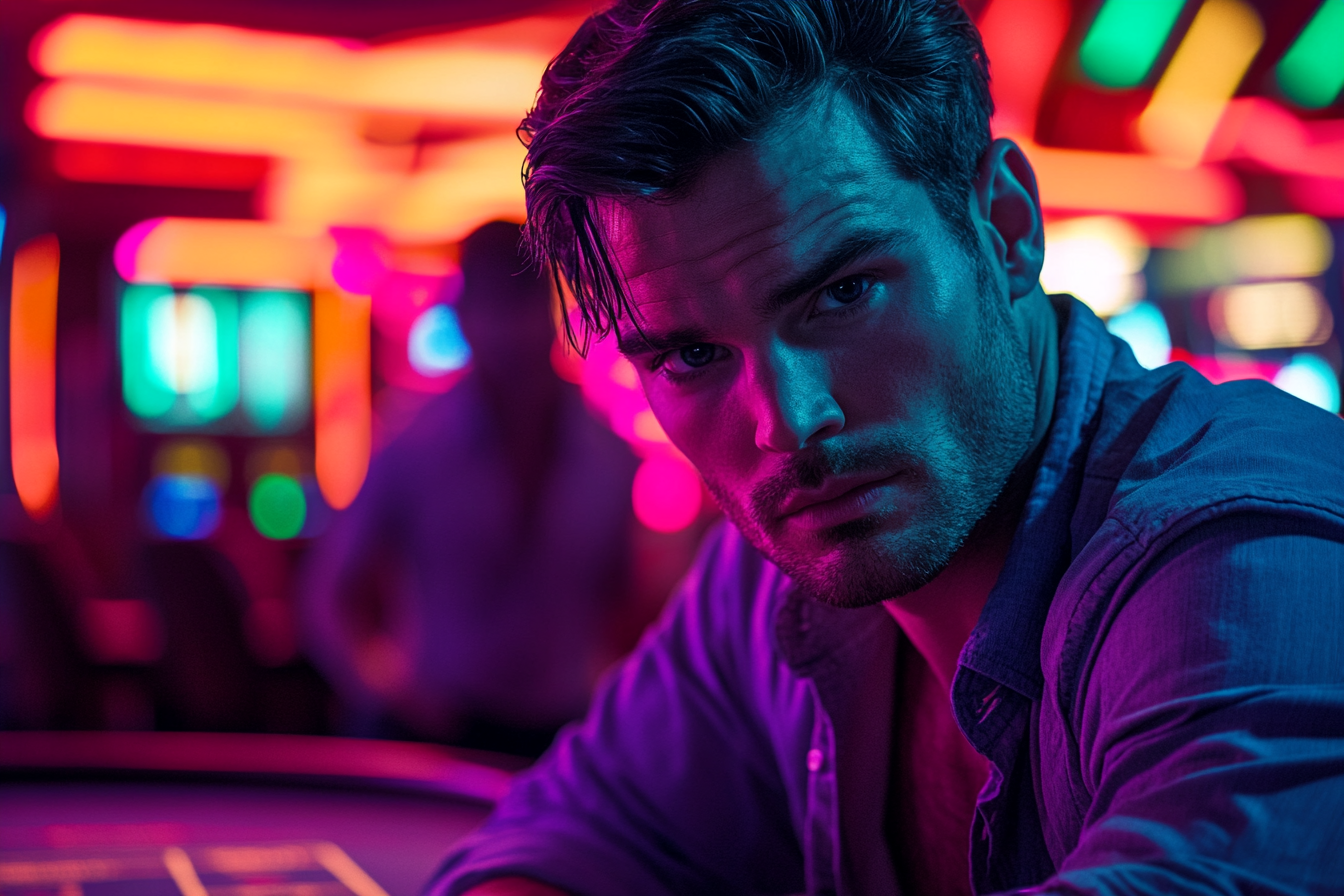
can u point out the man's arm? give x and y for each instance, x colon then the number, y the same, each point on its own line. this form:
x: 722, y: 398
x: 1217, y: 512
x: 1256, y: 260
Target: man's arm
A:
x: 1211, y: 726
x: 671, y: 784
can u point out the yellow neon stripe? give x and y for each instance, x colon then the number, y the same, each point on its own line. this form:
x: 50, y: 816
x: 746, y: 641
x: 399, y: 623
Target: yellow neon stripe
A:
x: 183, y: 872
x: 1203, y: 75
x: 343, y: 868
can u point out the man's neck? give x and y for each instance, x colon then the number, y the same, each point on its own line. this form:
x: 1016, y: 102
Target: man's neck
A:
x: 938, y: 618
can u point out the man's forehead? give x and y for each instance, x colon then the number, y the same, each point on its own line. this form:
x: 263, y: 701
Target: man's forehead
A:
x: 768, y: 192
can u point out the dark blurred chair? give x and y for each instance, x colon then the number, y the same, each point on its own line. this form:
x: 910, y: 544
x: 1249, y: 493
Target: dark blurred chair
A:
x: 44, y: 678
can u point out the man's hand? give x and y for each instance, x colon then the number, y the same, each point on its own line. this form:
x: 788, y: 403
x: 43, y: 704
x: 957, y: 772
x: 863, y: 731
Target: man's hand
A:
x: 514, y: 886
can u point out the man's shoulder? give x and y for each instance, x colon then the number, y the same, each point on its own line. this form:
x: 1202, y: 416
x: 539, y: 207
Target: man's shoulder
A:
x: 1173, y: 444
x: 730, y: 576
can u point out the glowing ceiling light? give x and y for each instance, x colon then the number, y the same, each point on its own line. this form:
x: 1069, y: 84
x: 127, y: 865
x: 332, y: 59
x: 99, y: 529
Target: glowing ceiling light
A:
x: 1126, y: 38
x: 478, y: 74
x: 1311, y: 73
x: 83, y: 110
x: 1078, y: 180
x: 1098, y: 259
x: 1145, y: 329
x: 1311, y: 379
x: 1270, y: 315
x: 459, y: 187
x: 1203, y: 75
x: 203, y: 250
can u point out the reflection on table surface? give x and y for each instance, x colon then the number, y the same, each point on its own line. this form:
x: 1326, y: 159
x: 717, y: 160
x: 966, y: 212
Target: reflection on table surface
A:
x: 99, y: 814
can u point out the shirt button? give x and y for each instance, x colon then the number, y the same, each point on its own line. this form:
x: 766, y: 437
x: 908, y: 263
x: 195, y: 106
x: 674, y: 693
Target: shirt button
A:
x: 814, y: 760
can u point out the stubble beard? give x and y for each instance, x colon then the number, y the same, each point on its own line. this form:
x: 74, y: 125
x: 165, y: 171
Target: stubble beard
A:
x: 957, y: 476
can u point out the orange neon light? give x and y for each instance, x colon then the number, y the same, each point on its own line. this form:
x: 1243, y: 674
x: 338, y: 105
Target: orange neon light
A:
x: 82, y: 110
x: 460, y: 186
x: 485, y: 74
x: 1123, y: 183
x: 1203, y: 75
x: 32, y: 375
x: 342, y: 408
x: 227, y: 252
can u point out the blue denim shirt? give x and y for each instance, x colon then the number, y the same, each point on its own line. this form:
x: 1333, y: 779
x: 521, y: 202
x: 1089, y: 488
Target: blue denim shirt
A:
x: 1157, y: 680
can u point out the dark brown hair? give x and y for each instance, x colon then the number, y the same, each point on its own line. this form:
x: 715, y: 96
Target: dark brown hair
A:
x: 650, y: 91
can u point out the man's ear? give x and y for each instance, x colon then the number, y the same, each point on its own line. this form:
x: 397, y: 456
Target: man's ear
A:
x: 1010, y: 215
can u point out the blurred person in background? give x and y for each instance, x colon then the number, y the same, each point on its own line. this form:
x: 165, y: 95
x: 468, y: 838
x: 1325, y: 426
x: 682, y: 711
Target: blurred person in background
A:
x: 477, y: 585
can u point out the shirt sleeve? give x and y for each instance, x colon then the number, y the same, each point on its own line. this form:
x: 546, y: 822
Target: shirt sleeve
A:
x: 1211, y: 730
x: 669, y: 785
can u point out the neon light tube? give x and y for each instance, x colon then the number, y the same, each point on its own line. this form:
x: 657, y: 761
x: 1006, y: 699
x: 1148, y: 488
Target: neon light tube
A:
x: 342, y: 409
x: 32, y: 375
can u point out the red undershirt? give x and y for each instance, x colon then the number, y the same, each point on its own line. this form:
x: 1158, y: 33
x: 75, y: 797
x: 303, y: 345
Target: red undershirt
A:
x: 936, y: 776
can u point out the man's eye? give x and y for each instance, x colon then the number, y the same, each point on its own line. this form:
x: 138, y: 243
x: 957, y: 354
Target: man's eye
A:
x: 688, y: 360
x: 697, y: 355
x: 844, y: 292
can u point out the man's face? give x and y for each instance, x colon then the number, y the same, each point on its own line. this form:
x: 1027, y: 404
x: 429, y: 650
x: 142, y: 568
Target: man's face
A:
x: 843, y: 372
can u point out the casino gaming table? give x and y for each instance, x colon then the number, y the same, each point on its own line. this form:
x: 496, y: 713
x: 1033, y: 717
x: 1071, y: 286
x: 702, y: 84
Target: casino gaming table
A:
x: 194, y: 814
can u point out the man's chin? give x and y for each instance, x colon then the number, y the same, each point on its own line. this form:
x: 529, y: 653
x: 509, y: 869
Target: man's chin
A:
x: 866, y: 566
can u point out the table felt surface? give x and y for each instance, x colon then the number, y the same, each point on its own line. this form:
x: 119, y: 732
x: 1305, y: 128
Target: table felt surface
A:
x: 83, y: 838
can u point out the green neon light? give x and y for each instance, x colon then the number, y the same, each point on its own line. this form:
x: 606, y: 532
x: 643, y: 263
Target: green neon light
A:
x: 1125, y: 40
x: 1311, y: 73
x: 179, y: 354
x: 277, y: 506
x: 218, y: 395
x: 276, y: 365
x: 144, y: 391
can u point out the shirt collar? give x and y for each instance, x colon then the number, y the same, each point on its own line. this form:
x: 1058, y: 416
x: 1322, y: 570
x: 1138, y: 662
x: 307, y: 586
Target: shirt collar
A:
x: 1006, y: 642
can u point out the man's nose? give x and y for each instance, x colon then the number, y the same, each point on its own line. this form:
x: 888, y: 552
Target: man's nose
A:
x: 790, y: 394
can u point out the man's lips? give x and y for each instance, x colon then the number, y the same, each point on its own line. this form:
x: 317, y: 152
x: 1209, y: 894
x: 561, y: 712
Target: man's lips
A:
x: 835, y: 497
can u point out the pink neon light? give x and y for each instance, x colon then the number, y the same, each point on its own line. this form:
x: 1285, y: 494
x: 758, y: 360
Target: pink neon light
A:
x: 666, y: 494
x: 128, y: 247
x: 1226, y: 370
x: 359, y: 265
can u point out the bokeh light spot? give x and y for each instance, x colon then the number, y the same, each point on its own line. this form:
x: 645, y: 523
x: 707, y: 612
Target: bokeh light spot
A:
x: 1125, y: 40
x: 1311, y: 73
x: 277, y: 506
x: 183, y: 507
x: 666, y: 494
x: 1145, y: 329
x: 1311, y: 379
x: 436, y: 345
x: 1099, y: 259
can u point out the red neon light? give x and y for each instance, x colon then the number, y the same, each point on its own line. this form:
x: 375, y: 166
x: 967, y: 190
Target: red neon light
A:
x: 32, y: 375
x: 112, y: 163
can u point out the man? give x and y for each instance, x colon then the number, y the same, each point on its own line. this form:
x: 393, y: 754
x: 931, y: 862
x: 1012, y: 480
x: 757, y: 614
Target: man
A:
x: 468, y: 594
x: 998, y: 609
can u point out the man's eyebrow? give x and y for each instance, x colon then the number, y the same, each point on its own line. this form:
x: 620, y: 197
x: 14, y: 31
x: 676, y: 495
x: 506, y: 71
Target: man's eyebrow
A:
x: 849, y: 249
x: 645, y: 342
